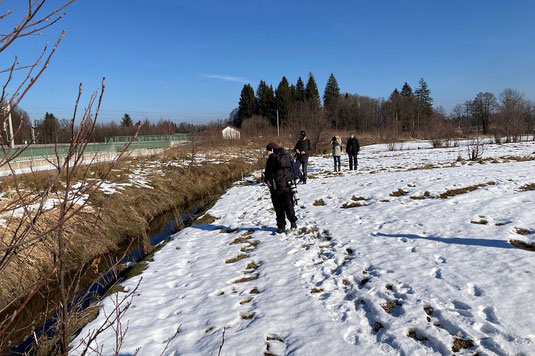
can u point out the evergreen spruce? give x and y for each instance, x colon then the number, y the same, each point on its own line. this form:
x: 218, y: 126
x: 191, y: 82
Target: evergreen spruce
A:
x: 300, y: 94
x: 126, y: 121
x: 283, y: 96
x: 312, y: 94
x: 267, y: 105
x: 406, y: 91
x: 247, y: 105
x: 423, y: 98
x: 331, y: 93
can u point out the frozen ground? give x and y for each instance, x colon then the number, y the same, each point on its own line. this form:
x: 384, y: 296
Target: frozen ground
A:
x: 388, y: 274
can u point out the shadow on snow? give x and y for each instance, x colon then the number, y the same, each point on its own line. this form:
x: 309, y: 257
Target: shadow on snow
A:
x: 453, y: 240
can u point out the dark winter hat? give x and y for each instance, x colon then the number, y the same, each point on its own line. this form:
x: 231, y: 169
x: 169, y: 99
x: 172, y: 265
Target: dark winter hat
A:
x: 303, y: 133
x: 271, y: 146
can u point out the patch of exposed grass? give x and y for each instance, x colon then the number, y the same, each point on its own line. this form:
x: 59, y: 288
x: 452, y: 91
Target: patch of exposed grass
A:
x: 206, y: 219
x: 352, y: 205
x: 398, y: 193
x: 529, y: 186
x: 522, y: 231
x: 240, y: 240
x: 227, y: 230
x: 414, y: 334
x: 319, y: 202
x: 479, y: 222
x: 246, y: 279
x: 245, y: 301
x: 208, y: 329
x: 247, y: 316
x: 389, y: 307
x: 116, y: 288
x: 316, y: 290
x: 363, y: 281
x: 453, y: 192
x: 523, y: 245
x: 426, y: 195
x: 384, y: 200
x: 346, y: 282
x: 426, y: 166
x: 459, y: 344
x: 356, y: 198
x: 273, y: 337
x: 254, y: 291
x: 349, y: 250
x: 377, y: 326
x: 134, y: 270
x: 253, y: 265
x: 429, y: 310
x: 241, y: 256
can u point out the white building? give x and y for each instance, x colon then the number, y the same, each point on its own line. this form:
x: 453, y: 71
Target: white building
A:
x: 230, y: 133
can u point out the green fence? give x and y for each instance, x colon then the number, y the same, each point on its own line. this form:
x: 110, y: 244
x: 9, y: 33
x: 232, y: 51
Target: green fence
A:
x: 113, y: 145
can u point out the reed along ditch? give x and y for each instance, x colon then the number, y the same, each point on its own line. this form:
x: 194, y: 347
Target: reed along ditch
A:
x: 35, y: 327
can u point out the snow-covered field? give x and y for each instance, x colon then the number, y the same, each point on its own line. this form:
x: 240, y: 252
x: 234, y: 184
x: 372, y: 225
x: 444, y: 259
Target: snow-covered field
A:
x: 388, y: 274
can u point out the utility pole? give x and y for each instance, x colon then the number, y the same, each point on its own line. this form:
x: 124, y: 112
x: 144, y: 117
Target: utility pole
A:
x: 11, y: 138
x: 278, y: 134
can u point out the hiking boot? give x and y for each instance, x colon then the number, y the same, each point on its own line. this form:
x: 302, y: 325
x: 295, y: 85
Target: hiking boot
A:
x: 293, y: 226
x: 280, y: 230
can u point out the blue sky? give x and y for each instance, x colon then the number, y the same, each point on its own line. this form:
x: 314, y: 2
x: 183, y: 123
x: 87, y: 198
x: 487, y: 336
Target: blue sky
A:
x: 188, y: 60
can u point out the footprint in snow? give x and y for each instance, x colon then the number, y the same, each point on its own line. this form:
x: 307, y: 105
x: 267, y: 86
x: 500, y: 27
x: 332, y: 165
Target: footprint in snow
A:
x: 474, y: 290
x: 275, y: 345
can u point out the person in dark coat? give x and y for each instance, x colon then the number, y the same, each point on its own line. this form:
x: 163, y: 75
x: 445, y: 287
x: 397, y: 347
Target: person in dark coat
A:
x: 352, y: 150
x: 302, y: 149
x: 278, y: 175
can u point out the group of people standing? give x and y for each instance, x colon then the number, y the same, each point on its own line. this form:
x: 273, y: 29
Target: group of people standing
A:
x: 281, y: 172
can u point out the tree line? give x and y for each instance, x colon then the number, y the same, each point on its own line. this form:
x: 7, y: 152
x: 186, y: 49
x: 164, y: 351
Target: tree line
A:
x: 406, y: 112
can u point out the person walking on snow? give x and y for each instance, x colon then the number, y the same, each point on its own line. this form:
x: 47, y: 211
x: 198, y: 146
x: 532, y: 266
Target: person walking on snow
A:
x: 336, y: 143
x: 352, y: 150
x: 302, y: 149
x: 278, y: 177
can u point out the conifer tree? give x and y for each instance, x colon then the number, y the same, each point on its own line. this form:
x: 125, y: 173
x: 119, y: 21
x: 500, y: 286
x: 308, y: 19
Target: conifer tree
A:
x: 406, y: 91
x: 247, y: 105
x: 312, y: 94
x: 126, y: 121
x: 283, y: 96
x: 300, y: 94
x: 266, y: 102
x: 423, y: 98
x: 331, y: 97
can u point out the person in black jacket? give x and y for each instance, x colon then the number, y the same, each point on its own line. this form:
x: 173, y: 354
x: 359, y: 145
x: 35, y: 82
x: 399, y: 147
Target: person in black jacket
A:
x: 278, y: 175
x: 302, y: 149
x: 352, y: 150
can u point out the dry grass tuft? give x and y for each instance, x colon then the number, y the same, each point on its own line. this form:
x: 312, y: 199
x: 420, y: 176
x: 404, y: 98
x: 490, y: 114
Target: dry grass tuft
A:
x: 377, y: 326
x: 246, y: 279
x: 389, y: 307
x: 253, y: 265
x: 453, y: 192
x: 316, y: 290
x: 527, y: 187
x: 522, y: 231
x: 240, y: 240
x: 429, y: 310
x: 479, y: 222
x: 426, y: 195
x: 398, y: 193
x: 319, y: 202
x: 241, y: 256
x: 356, y: 198
x: 206, y: 219
x: 254, y: 291
x: 352, y: 205
x: 247, y: 316
x: 414, y: 334
x: 459, y: 344
x: 245, y: 301
x: 523, y: 245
